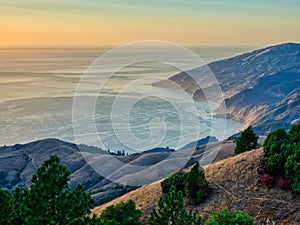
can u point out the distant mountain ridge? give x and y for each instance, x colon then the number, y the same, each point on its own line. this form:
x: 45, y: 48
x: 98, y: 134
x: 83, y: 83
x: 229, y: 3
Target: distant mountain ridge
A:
x: 19, y: 162
x: 254, y: 85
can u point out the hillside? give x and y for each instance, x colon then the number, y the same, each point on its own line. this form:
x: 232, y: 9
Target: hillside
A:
x: 260, y: 87
x: 19, y: 162
x: 236, y: 185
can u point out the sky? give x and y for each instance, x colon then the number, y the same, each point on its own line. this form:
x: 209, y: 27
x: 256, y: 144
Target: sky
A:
x: 115, y: 22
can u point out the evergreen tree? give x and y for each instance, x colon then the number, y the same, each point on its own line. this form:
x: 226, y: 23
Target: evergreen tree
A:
x: 176, y: 179
x: 278, y: 146
x: 171, y: 210
x: 6, y: 209
x: 49, y: 199
x: 247, y: 141
x: 196, y: 185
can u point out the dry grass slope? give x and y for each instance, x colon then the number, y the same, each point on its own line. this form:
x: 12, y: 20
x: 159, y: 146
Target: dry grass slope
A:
x: 145, y: 199
x: 236, y: 185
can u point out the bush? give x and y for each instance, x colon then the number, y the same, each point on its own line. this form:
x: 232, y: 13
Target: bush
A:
x: 121, y: 214
x: 274, y: 156
x: 282, y: 156
x: 274, y: 164
x: 176, y: 180
x: 294, y: 134
x: 292, y: 170
x: 247, y: 141
x: 225, y: 217
x: 274, y: 141
x: 196, y: 185
x: 171, y: 210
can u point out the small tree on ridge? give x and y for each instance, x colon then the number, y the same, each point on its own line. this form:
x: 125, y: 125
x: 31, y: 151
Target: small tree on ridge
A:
x: 247, y: 141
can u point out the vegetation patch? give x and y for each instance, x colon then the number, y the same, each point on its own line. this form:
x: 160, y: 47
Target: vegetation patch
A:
x: 281, y: 159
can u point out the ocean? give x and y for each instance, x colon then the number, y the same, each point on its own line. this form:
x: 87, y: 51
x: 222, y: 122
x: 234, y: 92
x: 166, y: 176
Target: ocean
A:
x: 38, y: 87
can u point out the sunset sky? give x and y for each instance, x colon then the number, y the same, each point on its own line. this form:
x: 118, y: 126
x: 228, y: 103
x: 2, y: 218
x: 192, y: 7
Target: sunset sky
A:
x: 188, y: 22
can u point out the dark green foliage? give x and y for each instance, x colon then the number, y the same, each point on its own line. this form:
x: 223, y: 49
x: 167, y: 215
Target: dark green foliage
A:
x: 274, y: 164
x: 274, y: 141
x: 276, y: 151
x: 177, y: 180
x: 294, y: 134
x: 6, y: 209
x: 247, y: 141
x: 196, y: 185
x: 292, y: 169
x: 281, y: 155
x: 225, y: 217
x: 118, y: 153
x: 121, y: 214
x: 171, y: 210
x: 49, y: 199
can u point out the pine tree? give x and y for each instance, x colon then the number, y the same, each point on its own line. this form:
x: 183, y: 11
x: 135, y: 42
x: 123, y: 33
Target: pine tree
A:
x: 196, y: 185
x: 247, y: 141
x: 171, y: 211
x: 49, y: 199
x: 6, y: 209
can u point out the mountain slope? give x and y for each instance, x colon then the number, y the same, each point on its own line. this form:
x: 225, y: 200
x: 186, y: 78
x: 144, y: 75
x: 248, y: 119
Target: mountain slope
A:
x: 19, y: 162
x: 236, y: 185
x: 252, y: 83
x: 273, y: 102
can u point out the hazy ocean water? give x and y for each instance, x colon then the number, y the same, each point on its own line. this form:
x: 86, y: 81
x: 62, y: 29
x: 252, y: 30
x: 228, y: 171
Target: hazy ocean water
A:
x: 38, y: 84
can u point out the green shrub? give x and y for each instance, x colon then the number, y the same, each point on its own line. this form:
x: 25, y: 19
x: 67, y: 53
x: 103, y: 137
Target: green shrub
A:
x: 121, y: 214
x: 274, y: 164
x: 282, y: 156
x: 196, y: 185
x: 171, y: 210
x: 176, y: 180
x: 225, y: 217
x: 6, y: 209
x: 294, y: 134
x: 274, y: 141
x: 292, y: 170
x: 247, y: 141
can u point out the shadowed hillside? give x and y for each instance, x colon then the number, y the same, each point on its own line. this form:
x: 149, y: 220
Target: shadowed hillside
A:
x: 19, y: 162
x: 260, y: 88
